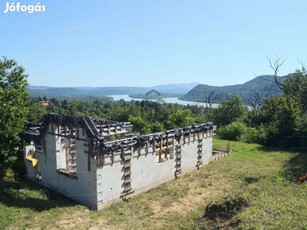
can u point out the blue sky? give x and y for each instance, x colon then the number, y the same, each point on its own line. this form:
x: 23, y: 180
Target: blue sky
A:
x: 153, y: 42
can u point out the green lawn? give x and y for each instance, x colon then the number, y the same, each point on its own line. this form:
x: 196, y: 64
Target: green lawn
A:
x: 253, y: 188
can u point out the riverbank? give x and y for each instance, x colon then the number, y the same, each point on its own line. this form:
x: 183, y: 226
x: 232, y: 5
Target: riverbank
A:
x: 171, y: 100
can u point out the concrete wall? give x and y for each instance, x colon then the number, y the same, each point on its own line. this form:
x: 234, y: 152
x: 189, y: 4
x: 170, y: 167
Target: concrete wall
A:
x: 99, y: 186
x: 109, y: 181
x: 82, y: 188
x: 146, y: 172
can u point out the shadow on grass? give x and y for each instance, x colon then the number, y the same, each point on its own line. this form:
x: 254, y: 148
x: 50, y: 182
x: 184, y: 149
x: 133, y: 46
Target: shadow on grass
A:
x: 225, y: 209
x: 24, y: 194
x: 296, y: 168
x: 250, y: 180
x: 264, y: 148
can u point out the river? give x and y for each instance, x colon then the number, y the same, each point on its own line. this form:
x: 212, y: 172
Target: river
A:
x: 171, y: 100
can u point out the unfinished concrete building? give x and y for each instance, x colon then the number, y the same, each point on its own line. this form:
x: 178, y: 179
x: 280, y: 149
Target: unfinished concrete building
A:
x: 97, y: 162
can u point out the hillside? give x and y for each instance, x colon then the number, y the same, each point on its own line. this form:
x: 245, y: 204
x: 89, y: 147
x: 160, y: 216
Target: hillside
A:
x: 252, y: 188
x: 185, y: 91
x: 262, y: 84
x: 68, y: 92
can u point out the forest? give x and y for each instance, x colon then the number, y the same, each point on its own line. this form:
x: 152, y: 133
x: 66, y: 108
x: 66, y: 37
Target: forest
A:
x: 275, y: 121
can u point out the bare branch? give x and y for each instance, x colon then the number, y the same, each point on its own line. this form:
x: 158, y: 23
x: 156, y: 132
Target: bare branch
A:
x: 255, y: 99
x: 259, y: 94
x: 268, y: 91
x: 213, y: 97
x: 302, y: 63
x: 210, y: 97
x: 275, y: 66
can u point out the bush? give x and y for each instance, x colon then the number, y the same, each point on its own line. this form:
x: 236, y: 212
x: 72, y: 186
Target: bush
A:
x: 233, y: 131
x: 253, y: 135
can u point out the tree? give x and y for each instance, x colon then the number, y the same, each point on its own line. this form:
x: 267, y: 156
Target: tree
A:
x: 210, y: 97
x: 13, y: 96
x: 296, y: 86
x: 281, y: 116
x: 229, y: 111
x: 139, y: 125
x: 259, y: 95
x: 156, y: 127
x: 36, y: 108
x: 180, y: 118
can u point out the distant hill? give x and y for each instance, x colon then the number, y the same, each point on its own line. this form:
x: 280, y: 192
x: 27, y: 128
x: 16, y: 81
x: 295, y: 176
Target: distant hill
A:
x: 185, y: 91
x: 98, y: 92
x: 181, y: 88
x: 262, y: 84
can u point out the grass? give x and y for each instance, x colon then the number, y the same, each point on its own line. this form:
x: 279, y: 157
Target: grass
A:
x: 253, y: 188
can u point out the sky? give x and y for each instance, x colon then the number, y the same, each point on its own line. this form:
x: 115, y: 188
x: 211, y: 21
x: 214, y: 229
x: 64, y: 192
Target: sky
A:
x: 153, y: 42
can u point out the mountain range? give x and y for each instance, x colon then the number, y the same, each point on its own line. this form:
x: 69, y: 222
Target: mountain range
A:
x: 71, y: 92
x: 186, y: 91
x: 262, y: 85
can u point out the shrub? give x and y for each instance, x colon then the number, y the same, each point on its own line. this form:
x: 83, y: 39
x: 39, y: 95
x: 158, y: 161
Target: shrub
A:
x: 233, y: 131
x: 253, y: 135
